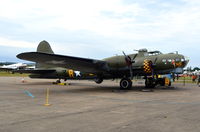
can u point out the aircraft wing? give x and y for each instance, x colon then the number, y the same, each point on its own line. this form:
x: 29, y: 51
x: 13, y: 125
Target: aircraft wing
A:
x: 6, y: 69
x: 70, y: 62
x: 34, y: 71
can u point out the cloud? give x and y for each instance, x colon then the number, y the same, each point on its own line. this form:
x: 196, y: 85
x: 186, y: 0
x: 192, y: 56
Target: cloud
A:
x: 101, y: 28
x: 16, y: 44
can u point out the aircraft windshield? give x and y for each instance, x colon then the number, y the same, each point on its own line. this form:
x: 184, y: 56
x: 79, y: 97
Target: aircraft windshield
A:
x: 154, y: 53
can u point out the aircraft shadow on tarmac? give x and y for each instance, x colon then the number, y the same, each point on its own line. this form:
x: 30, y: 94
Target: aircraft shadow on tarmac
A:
x: 35, y: 83
x: 87, y: 88
x: 112, y: 89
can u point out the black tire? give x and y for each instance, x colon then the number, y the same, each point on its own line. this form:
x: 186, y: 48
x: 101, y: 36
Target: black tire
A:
x: 125, y: 84
x: 162, y: 81
x: 170, y: 83
x: 98, y: 80
x: 58, y: 81
x: 150, y: 83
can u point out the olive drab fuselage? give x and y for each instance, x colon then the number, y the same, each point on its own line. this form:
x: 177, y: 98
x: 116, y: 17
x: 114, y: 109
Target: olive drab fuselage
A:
x: 159, y: 61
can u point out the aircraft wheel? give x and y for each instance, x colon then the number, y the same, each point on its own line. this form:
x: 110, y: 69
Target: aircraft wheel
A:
x: 58, y: 81
x: 98, y: 80
x: 161, y: 81
x: 150, y: 83
x: 170, y: 83
x: 125, y: 84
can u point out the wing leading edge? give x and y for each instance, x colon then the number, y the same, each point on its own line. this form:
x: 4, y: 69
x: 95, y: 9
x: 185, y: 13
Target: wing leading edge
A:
x: 70, y: 62
x: 36, y: 71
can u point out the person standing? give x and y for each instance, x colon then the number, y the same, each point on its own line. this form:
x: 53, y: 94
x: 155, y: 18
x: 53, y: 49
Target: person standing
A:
x: 194, y: 77
x: 198, y: 81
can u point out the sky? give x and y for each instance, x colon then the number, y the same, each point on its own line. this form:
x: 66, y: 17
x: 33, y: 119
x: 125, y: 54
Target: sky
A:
x: 100, y: 28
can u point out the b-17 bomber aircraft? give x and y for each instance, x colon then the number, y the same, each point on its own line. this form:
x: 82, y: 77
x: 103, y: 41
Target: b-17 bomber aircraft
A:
x: 124, y: 67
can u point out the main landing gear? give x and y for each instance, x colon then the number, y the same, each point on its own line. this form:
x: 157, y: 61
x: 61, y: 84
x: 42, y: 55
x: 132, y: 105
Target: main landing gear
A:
x: 57, y: 81
x: 125, y: 83
x: 150, y: 82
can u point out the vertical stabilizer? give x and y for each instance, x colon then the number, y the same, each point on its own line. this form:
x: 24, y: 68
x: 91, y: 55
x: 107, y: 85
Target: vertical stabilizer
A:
x: 44, y: 47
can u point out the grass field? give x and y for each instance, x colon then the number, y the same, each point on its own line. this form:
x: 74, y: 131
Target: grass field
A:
x: 9, y: 74
x: 186, y: 79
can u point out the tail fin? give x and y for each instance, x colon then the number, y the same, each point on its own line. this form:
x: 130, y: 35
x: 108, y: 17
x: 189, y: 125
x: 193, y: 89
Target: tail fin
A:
x: 44, y: 47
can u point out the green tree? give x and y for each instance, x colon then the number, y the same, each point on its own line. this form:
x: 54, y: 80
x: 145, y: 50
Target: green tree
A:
x: 196, y: 68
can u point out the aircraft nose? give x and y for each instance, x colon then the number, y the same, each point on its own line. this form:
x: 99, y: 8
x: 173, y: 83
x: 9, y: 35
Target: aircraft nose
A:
x: 186, y: 60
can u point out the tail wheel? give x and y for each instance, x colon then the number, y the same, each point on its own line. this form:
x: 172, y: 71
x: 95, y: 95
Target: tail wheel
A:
x: 98, y: 80
x: 147, y: 66
x: 58, y: 81
x: 125, y: 83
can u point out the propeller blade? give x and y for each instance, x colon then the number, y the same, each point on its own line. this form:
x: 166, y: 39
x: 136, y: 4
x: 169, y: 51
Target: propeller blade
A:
x: 123, y: 53
x: 129, y: 64
x: 127, y: 59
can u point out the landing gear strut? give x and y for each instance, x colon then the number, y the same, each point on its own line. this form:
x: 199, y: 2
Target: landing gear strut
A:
x: 125, y: 84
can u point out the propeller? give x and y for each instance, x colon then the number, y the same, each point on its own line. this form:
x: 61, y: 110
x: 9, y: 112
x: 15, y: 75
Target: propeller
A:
x: 129, y: 63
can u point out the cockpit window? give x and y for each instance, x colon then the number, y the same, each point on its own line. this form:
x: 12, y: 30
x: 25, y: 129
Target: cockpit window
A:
x: 169, y: 60
x: 153, y: 53
x: 177, y: 59
x: 182, y: 60
x: 164, y: 60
